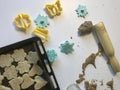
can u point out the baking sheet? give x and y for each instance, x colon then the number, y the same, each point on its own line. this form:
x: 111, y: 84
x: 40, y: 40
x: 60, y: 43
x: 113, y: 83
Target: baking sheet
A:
x: 33, y: 44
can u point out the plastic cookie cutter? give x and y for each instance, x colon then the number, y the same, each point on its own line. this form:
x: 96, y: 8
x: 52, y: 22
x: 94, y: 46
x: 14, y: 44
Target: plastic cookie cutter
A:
x: 66, y: 47
x: 22, y: 21
x: 81, y: 11
x: 52, y: 55
x: 42, y: 33
x: 41, y: 21
x: 54, y: 9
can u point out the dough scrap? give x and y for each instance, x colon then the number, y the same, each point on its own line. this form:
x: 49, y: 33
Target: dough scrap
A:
x: 40, y: 82
x: 27, y: 81
x: 15, y: 83
x: 19, y: 55
x: 23, y: 67
x: 89, y: 60
x: 110, y: 84
x: 4, y: 88
x: 5, y: 60
x: 32, y: 57
x: 90, y: 86
x: 10, y: 72
x: 35, y: 70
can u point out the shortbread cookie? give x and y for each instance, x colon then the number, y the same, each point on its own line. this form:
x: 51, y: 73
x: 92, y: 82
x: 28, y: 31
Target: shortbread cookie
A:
x: 15, y: 83
x: 5, y: 60
x: 23, y: 67
x: 19, y: 55
x: 1, y: 78
x: 35, y: 70
x: 4, y: 88
x: 27, y: 81
x: 10, y: 72
x: 40, y: 82
x: 32, y: 57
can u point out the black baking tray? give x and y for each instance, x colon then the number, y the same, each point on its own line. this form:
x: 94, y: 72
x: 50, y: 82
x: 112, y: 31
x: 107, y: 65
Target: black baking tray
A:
x: 35, y: 44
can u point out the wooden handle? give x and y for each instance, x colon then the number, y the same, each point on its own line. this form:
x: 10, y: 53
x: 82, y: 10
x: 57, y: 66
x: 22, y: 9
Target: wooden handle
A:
x: 107, y: 45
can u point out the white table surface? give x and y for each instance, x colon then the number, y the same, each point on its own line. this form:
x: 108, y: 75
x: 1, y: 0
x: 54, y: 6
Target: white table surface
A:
x: 61, y: 28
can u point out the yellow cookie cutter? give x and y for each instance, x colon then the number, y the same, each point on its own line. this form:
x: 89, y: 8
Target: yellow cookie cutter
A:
x: 54, y: 9
x: 22, y: 21
x: 42, y: 33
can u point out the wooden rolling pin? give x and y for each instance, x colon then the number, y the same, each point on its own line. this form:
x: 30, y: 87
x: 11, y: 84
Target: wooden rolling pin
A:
x: 107, y: 45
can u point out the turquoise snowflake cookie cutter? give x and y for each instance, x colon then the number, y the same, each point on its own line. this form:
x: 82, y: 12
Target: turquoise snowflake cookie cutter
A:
x: 67, y: 47
x: 52, y: 55
x: 41, y: 21
x: 81, y: 11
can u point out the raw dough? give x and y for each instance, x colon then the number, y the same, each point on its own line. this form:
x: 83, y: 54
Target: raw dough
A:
x: 23, y: 67
x: 32, y: 57
x: 27, y: 81
x: 10, y: 72
x: 89, y: 60
x: 40, y: 82
x: 19, y: 55
x: 90, y: 86
x: 35, y: 70
x: 5, y: 60
x: 85, y: 28
x: 110, y: 84
x: 15, y: 83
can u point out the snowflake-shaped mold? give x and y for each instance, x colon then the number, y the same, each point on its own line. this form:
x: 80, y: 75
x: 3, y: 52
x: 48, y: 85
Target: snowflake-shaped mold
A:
x: 41, y: 21
x: 81, y: 11
x: 52, y: 55
x: 67, y: 47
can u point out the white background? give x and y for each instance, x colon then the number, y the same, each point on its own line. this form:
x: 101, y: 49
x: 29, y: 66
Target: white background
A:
x: 61, y: 28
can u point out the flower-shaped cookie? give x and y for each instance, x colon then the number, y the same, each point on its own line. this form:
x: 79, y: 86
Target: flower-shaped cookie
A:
x: 10, y: 72
x: 5, y: 60
x: 23, y: 67
x: 32, y: 57
x: 19, y: 55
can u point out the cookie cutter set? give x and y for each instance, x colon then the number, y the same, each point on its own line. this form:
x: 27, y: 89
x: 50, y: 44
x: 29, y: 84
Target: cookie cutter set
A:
x: 35, y: 44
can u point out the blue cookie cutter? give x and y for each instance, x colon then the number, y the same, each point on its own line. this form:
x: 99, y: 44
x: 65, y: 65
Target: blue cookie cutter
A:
x: 81, y: 11
x: 52, y: 55
x: 67, y: 47
x: 41, y: 21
